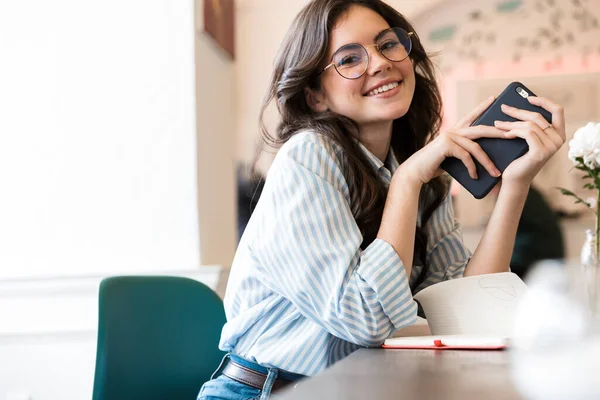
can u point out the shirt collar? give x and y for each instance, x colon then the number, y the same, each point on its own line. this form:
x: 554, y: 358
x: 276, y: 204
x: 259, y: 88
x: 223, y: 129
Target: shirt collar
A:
x: 377, y: 164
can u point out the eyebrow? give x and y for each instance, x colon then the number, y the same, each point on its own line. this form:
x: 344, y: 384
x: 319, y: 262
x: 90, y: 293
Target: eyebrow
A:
x: 375, y: 39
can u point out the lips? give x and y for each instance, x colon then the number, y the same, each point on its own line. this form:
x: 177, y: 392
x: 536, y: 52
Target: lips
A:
x: 382, y: 87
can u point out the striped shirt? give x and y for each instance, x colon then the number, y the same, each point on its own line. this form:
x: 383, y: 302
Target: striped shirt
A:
x: 301, y: 293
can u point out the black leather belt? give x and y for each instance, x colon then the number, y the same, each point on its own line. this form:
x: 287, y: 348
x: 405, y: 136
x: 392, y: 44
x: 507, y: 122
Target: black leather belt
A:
x: 250, y: 377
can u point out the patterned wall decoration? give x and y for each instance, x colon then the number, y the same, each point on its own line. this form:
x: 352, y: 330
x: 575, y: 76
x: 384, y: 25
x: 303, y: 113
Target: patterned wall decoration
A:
x: 482, y: 31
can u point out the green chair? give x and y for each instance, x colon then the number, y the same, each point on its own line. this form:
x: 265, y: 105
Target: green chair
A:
x: 157, y: 338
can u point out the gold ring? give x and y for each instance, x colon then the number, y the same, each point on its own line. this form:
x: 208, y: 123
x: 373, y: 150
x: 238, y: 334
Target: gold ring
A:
x: 549, y: 126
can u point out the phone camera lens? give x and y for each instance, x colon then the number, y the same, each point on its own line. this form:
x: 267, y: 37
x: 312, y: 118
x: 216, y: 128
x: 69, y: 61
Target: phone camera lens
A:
x: 522, y: 92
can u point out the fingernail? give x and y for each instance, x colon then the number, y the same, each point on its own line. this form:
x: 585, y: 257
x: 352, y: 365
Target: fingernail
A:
x: 496, y: 122
x: 497, y: 172
x: 505, y: 106
x: 492, y: 98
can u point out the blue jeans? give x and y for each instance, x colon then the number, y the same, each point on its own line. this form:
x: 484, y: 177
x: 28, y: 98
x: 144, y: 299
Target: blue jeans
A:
x: 224, y: 388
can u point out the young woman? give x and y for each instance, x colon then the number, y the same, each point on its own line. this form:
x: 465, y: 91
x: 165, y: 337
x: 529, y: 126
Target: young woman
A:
x: 355, y: 216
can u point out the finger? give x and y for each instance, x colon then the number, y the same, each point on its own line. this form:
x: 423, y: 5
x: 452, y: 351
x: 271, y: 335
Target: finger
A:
x: 533, y: 141
x: 557, y: 111
x: 549, y: 132
x: 525, y: 115
x: 480, y: 131
x: 463, y: 155
x: 553, y: 134
x: 452, y: 149
x: 468, y: 119
x: 476, y: 151
x: 547, y: 136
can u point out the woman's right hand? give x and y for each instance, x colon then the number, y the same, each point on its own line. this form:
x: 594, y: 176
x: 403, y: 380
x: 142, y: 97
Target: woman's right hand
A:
x: 424, y: 165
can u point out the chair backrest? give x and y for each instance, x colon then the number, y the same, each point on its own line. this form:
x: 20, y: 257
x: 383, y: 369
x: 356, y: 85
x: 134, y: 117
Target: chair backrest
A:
x: 157, y: 338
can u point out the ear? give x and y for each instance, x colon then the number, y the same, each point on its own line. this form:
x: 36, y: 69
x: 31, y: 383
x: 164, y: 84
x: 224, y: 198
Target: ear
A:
x: 315, y: 100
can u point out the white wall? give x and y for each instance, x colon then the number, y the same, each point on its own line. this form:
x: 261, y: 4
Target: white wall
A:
x: 107, y: 164
x: 216, y: 115
x: 97, y: 137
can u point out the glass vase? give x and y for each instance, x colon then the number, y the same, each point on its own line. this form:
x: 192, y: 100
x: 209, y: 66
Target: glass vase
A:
x: 589, y: 270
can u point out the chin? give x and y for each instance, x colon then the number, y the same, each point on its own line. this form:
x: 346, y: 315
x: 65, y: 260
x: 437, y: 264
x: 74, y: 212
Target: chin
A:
x: 380, y: 114
x: 401, y: 113
x: 398, y: 112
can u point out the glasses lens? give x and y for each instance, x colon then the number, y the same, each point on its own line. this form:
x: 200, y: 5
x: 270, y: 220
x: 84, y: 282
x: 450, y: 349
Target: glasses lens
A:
x: 351, y: 61
x: 395, y: 44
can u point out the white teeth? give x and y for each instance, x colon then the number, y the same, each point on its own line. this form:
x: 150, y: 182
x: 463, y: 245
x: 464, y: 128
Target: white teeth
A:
x: 383, y: 88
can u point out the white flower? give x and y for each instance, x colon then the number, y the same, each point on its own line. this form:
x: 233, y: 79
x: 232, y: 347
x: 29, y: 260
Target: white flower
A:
x: 591, y: 201
x: 586, y: 144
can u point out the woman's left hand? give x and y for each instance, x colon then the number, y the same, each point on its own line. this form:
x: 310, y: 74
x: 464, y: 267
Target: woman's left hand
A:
x: 544, y: 139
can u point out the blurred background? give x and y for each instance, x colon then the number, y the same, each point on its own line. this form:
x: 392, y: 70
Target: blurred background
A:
x: 127, y: 130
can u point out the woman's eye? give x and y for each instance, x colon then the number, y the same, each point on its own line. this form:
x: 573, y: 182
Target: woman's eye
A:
x: 389, y: 45
x: 349, y: 60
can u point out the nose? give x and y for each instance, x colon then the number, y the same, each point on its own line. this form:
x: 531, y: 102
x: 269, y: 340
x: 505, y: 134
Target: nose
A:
x: 377, y: 62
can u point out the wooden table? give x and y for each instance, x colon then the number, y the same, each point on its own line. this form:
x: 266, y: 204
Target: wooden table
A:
x: 412, y: 374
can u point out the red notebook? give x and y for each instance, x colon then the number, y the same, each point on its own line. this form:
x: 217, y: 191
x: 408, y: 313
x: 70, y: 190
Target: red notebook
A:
x: 448, y: 342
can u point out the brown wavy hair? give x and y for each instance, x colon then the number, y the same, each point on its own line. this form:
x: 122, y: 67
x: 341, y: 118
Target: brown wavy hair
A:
x: 301, y: 54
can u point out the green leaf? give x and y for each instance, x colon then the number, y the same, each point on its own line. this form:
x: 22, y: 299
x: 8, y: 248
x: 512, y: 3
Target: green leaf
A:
x: 578, y: 199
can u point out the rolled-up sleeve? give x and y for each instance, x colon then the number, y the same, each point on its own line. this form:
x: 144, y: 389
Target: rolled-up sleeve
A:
x: 308, y: 250
x: 447, y: 256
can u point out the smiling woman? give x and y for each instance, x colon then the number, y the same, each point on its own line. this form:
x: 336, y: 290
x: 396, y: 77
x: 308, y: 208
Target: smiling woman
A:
x: 354, y: 218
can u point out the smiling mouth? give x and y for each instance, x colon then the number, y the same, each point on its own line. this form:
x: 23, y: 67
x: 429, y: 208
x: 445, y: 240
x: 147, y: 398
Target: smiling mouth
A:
x: 383, y: 89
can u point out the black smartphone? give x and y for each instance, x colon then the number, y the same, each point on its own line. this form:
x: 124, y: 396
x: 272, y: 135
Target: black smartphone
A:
x: 501, y: 151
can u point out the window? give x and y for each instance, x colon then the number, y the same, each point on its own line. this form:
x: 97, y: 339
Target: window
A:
x: 97, y: 137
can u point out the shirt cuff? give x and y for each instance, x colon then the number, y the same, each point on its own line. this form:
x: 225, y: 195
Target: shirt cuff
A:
x: 381, y: 269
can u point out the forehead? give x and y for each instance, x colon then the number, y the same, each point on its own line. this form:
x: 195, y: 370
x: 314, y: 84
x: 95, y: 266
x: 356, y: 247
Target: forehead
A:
x: 358, y: 25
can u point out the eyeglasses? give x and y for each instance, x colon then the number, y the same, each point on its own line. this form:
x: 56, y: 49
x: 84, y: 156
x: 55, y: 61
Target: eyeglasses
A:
x: 352, y: 60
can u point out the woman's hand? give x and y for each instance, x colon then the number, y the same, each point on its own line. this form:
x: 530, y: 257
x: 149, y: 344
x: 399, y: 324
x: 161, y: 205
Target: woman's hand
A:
x: 544, y: 139
x: 457, y: 142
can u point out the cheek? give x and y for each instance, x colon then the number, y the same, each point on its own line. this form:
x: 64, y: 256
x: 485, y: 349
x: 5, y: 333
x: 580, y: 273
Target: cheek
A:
x: 408, y: 74
x: 412, y: 83
x: 408, y: 71
x: 349, y: 88
x: 354, y: 90
x: 343, y: 91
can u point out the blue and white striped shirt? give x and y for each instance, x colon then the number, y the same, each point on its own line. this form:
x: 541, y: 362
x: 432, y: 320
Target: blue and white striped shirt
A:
x: 301, y: 293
